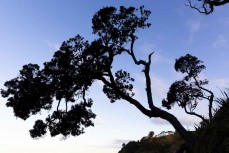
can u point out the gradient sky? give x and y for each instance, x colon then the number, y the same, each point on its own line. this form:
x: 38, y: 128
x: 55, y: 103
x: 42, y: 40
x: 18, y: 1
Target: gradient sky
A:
x: 32, y: 30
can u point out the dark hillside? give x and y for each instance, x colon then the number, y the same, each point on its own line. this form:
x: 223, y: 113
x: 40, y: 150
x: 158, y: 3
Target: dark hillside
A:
x: 211, y: 138
x: 214, y: 137
x: 159, y: 144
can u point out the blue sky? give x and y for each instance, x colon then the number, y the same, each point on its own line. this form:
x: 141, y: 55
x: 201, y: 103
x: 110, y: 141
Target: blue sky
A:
x: 31, y: 31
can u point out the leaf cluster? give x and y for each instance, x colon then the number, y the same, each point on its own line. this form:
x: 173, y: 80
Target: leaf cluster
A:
x: 188, y: 91
x: 28, y: 93
x: 122, y: 82
x: 66, y: 77
x: 183, y: 94
x: 73, y: 68
x: 118, y: 27
x: 65, y: 123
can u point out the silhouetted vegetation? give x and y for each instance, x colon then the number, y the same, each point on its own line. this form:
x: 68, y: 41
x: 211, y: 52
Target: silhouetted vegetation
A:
x: 78, y: 63
x: 189, y: 91
x: 158, y: 144
x: 205, y: 6
x: 214, y: 137
x: 210, y: 137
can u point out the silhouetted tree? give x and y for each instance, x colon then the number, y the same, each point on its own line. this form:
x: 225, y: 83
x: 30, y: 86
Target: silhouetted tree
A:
x: 151, y: 134
x: 76, y: 66
x: 123, y: 145
x: 205, y: 6
x: 189, y: 91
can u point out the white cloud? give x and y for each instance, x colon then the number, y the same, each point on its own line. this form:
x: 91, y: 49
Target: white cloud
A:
x: 157, y: 57
x: 159, y: 121
x: 147, y: 48
x: 222, y: 83
x: 220, y: 41
x: 224, y: 21
x: 187, y: 121
x: 193, y: 27
x: 159, y: 87
x: 53, y: 46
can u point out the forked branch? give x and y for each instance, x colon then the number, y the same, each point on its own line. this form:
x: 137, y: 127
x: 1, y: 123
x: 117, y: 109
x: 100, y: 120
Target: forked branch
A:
x: 146, y: 71
x: 126, y: 97
x: 195, y: 114
x: 207, y: 6
x: 210, y: 99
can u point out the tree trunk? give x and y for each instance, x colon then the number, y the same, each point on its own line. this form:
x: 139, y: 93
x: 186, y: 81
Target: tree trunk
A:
x: 186, y: 135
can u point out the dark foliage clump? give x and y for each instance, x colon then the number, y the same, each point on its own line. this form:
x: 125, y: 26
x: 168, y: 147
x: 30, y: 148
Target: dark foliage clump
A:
x: 214, y: 137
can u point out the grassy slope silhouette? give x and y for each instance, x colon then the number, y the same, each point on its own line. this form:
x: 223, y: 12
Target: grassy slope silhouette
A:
x: 211, y: 138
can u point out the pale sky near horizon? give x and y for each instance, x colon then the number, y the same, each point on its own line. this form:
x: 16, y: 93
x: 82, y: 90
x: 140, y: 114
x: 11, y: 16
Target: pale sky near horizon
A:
x: 31, y: 31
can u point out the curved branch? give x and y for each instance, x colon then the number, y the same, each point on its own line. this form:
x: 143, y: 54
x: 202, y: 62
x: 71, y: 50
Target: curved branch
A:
x: 204, y: 97
x: 149, y: 58
x: 203, y: 7
x: 175, y: 123
x: 57, y: 108
x: 127, y: 98
x: 207, y: 6
x: 111, y: 77
x: 83, y: 95
x: 146, y: 71
x: 66, y: 107
x: 131, y: 52
x: 218, y: 3
x: 195, y: 114
x: 148, y: 84
x: 156, y: 112
x: 211, y: 99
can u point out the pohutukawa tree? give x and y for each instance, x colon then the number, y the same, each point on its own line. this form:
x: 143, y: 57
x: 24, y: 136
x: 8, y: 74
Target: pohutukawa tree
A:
x: 66, y: 78
x: 189, y: 91
x: 205, y: 6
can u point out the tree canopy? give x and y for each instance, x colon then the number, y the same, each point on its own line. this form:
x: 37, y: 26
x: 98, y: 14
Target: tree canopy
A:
x: 205, y: 6
x: 189, y: 91
x: 72, y: 70
x: 65, y: 79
